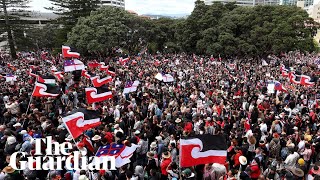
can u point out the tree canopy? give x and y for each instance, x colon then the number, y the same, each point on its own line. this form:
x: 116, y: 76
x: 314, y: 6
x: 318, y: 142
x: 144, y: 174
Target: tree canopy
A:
x: 11, y: 11
x: 227, y: 30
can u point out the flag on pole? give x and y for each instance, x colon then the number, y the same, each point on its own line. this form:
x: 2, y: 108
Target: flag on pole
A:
x: 80, y: 120
x: 279, y: 87
x: 11, y: 77
x: 131, y: 87
x: 32, y: 72
x: 45, y: 90
x: 307, y: 80
x: 111, y: 71
x: 121, y: 153
x: 73, y: 65
x: 124, y: 61
x: 202, y: 149
x: 85, y: 73
x: 97, y: 94
x: 103, y: 67
x: 58, y: 75
x: 46, y: 79
x: 68, y: 52
x: 94, y: 64
x: 97, y: 82
x: 164, y: 77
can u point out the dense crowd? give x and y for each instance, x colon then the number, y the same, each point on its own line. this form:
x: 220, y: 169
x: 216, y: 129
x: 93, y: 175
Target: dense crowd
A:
x: 282, y: 141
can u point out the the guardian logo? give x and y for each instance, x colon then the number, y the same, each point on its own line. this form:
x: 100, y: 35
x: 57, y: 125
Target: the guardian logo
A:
x: 57, y: 155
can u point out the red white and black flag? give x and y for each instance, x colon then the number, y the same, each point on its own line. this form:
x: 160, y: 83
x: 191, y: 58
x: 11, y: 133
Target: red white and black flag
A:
x: 307, y: 80
x: 85, y: 73
x: 97, y: 94
x: 80, y: 120
x: 97, y: 82
x: 68, y: 52
x: 46, y: 79
x: 46, y: 90
x: 202, y: 149
x: 111, y: 71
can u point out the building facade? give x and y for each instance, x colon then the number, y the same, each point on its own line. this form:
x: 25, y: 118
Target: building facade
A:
x: 245, y: 2
x: 307, y: 3
x: 115, y: 3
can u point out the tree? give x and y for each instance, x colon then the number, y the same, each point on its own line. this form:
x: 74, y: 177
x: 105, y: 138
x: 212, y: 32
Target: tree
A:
x: 70, y: 11
x: 12, y: 10
x: 107, y: 28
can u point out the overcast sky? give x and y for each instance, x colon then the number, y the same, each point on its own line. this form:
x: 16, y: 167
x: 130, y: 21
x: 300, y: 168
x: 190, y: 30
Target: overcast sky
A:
x: 140, y: 6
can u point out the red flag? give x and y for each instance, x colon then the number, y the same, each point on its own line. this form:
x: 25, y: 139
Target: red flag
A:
x: 94, y: 64
x: 306, y: 80
x: 80, y: 120
x: 67, y: 52
x: 97, y: 82
x: 45, y: 90
x: 124, y: 61
x: 85, y: 73
x: 97, y: 95
x: 88, y: 143
x: 202, y: 149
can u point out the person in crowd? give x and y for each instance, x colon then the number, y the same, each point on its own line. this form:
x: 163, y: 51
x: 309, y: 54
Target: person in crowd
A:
x: 272, y: 133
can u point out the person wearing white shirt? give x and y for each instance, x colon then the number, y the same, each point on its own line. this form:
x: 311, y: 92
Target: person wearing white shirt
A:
x: 291, y: 160
x: 116, y: 112
x: 301, y: 145
x: 263, y: 127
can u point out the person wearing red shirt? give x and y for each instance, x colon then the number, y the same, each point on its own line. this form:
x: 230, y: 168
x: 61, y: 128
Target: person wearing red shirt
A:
x: 166, y: 161
x: 255, y: 169
x: 109, y: 137
x: 236, y: 162
x: 188, y: 127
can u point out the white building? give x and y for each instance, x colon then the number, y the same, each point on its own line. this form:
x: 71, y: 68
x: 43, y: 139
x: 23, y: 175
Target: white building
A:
x: 115, y: 3
x: 245, y: 2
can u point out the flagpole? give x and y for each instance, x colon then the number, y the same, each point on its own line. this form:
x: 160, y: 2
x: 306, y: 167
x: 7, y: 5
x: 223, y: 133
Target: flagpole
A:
x: 70, y: 134
x: 30, y: 99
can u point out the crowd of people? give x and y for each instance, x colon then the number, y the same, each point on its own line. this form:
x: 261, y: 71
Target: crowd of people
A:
x: 282, y: 140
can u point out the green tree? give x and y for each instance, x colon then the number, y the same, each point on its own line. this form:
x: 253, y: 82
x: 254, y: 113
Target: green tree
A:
x: 12, y: 10
x: 69, y: 12
x: 107, y: 28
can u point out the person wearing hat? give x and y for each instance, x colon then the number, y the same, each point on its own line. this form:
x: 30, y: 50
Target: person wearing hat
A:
x: 26, y: 145
x: 160, y: 145
x: 188, y: 174
x: 117, y: 129
x: 166, y: 161
x: 96, y: 142
x: 137, y: 135
x: 152, y: 162
x: 301, y: 165
x: 297, y: 172
x: 18, y: 127
x: 10, y: 145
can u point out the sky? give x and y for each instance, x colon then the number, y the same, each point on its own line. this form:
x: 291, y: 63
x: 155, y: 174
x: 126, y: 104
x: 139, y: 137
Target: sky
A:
x: 159, y: 7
